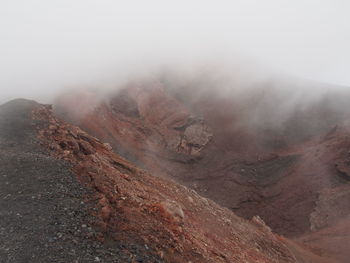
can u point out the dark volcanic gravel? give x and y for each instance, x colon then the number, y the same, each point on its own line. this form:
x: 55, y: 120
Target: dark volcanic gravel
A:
x: 43, y: 215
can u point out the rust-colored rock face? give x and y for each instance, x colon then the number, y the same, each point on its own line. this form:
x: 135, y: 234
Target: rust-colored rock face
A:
x: 293, y: 174
x: 144, y: 124
x: 172, y: 221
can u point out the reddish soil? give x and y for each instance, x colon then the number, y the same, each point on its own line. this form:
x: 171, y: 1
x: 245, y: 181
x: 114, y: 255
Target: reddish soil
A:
x: 332, y: 241
x: 240, y: 154
x: 172, y: 221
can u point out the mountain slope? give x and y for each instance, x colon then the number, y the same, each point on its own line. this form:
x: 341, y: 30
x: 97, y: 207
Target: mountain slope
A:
x: 273, y: 153
x: 45, y: 211
x: 114, y: 212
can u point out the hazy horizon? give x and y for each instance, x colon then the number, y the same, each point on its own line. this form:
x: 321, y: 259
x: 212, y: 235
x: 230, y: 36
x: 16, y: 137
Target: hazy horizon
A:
x: 47, y: 46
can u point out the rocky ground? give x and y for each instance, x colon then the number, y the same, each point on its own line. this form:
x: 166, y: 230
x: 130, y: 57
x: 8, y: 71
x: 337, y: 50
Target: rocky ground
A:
x: 250, y: 154
x: 66, y: 197
x: 45, y: 213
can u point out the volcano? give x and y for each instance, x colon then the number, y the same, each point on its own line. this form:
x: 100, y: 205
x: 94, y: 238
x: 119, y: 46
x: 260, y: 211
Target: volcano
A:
x: 255, y: 154
x: 151, y: 174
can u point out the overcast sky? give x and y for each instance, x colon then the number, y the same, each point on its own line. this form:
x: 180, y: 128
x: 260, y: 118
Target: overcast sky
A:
x: 46, y: 44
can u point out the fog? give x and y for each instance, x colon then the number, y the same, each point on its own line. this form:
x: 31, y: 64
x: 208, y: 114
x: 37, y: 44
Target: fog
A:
x: 47, y: 46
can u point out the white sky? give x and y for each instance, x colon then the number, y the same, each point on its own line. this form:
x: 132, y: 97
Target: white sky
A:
x: 47, y: 44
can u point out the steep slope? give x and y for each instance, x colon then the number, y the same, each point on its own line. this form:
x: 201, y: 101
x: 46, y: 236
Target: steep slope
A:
x: 45, y: 213
x: 332, y: 241
x: 143, y: 123
x: 330, y: 218
x: 51, y: 217
x: 255, y: 154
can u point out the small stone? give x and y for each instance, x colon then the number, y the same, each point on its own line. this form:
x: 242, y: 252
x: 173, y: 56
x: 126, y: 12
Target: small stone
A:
x: 108, y: 146
x: 52, y: 127
x: 173, y: 209
x: 105, y: 212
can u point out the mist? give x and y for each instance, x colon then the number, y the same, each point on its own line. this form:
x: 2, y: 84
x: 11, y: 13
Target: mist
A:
x: 244, y: 101
x: 49, y: 46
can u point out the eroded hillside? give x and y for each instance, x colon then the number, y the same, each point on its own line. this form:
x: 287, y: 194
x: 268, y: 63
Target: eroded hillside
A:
x: 291, y: 173
x: 67, y: 197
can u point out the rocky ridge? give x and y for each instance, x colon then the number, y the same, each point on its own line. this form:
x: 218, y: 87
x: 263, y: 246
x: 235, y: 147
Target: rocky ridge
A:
x: 291, y: 175
x: 173, y: 222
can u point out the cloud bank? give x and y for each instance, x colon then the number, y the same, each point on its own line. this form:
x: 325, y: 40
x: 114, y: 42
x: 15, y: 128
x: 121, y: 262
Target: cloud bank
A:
x: 50, y: 45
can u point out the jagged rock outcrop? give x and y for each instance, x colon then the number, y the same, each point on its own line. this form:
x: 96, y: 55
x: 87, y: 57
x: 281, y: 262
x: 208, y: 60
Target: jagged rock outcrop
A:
x: 140, y: 121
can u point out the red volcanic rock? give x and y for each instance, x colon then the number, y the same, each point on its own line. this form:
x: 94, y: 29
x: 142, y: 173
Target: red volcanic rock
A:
x: 332, y: 241
x: 292, y: 173
x: 141, y: 120
x: 173, y: 210
x: 171, y: 220
x: 214, y: 154
x: 332, y: 205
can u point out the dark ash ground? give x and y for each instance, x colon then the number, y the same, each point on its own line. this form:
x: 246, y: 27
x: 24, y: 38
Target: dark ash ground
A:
x: 44, y: 216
